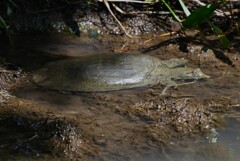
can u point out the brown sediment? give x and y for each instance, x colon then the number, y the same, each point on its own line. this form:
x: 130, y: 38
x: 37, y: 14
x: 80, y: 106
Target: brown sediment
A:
x: 121, y: 124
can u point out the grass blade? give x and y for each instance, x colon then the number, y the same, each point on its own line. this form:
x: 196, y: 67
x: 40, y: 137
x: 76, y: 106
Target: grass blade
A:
x: 170, y: 9
x: 185, y: 9
x: 3, y: 24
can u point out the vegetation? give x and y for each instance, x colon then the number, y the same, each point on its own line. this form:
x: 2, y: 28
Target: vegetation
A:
x: 193, y: 19
x: 6, y: 12
x: 200, y: 15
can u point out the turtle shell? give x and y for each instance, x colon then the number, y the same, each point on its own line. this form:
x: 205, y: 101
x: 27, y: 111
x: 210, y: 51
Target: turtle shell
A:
x: 98, y: 73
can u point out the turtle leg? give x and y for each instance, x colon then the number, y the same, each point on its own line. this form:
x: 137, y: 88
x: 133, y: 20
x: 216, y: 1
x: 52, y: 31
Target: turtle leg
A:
x: 173, y: 84
x: 168, y: 83
x: 184, y: 83
x: 164, y: 92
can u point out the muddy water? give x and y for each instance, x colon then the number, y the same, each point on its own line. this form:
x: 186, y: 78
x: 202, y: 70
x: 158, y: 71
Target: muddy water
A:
x: 193, y: 122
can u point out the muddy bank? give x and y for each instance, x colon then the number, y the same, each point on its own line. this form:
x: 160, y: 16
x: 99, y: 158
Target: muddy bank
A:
x: 108, y: 128
x: 11, y: 77
x: 35, y: 131
x: 137, y: 124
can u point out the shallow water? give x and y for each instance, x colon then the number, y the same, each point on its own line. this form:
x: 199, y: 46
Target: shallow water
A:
x: 115, y: 125
x: 117, y: 132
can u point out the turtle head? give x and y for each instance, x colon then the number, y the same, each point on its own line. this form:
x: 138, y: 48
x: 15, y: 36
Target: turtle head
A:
x: 189, y: 73
x: 198, y: 74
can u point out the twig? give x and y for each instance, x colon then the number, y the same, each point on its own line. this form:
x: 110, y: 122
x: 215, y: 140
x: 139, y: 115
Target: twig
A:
x: 119, y: 9
x: 120, y: 24
x: 4, y: 71
x: 4, y: 95
x: 132, y: 1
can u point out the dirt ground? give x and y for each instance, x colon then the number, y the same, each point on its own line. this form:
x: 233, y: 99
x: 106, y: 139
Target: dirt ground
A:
x: 113, y: 125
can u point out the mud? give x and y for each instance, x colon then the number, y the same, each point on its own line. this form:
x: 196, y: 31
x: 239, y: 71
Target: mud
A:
x: 138, y: 124
x: 37, y: 131
x: 106, y: 131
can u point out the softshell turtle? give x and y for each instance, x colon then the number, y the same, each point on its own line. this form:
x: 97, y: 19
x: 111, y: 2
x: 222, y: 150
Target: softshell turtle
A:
x: 113, y: 72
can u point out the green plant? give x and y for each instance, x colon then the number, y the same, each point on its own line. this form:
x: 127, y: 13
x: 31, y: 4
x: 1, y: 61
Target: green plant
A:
x: 198, y: 16
x: 2, y: 118
x: 6, y: 28
x: 6, y: 6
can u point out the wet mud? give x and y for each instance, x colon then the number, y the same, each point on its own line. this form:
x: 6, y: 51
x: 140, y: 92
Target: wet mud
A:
x: 134, y: 124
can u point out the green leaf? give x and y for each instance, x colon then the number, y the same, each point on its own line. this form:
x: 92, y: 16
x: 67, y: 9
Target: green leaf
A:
x: 3, y: 23
x: 199, y: 16
x: 224, y: 40
x: 238, y: 27
x: 9, y: 11
x: 185, y: 9
x: 218, y: 32
x: 5, y: 27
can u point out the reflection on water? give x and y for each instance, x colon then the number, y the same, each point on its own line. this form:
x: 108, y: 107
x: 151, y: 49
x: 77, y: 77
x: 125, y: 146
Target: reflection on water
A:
x: 230, y: 136
x: 224, y: 148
